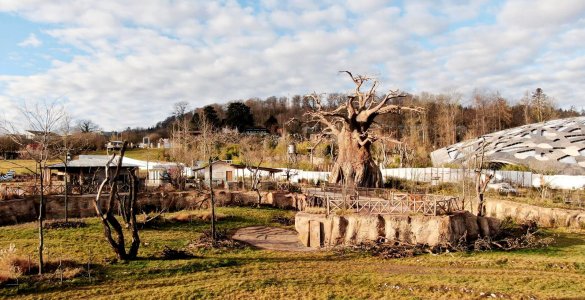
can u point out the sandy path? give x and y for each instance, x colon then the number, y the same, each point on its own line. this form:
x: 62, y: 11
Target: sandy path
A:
x: 270, y: 238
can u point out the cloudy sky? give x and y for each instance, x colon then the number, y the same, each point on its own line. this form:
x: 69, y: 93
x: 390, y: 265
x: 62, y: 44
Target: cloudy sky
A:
x: 124, y: 63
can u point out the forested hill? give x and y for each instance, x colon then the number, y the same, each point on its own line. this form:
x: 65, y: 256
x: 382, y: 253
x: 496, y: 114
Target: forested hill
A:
x: 448, y: 118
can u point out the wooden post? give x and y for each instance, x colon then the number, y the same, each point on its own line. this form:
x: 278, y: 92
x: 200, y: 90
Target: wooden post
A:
x: 66, y: 199
x: 40, y: 223
x: 212, y: 200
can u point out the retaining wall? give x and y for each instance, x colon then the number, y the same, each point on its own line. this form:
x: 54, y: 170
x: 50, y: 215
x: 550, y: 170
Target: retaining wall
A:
x: 319, y: 230
x: 26, y: 210
x: 544, y: 216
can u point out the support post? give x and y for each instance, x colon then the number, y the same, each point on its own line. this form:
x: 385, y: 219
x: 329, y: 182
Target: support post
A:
x: 212, y: 200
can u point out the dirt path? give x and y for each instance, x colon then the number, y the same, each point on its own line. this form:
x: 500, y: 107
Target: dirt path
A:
x: 270, y: 238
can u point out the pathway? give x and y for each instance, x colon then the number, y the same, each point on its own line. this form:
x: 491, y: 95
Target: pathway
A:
x: 271, y: 238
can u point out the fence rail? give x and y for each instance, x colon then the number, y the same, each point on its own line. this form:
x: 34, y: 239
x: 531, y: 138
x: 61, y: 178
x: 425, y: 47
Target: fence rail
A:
x: 21, y: 190
x: 430, y: 205
x: 381, y: 201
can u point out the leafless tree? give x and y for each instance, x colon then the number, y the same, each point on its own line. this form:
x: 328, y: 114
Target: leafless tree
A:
x: 71, y: 143
x: 482, y: 177
x: 87, y: 126
x: 352, y: 124
x: 253, y: 153
x: 126, y: 203
x: 207, y: 146
x: 42, y: 122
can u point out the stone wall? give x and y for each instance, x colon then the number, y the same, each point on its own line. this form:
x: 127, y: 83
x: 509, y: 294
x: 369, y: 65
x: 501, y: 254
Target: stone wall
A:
x: 26, y: 210
x: 544, y: 216
x: 319, y: 230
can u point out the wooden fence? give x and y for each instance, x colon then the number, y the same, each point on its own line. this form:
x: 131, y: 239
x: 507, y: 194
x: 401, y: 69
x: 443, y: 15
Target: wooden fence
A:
x: 431, y: 205
x: 382, y: 201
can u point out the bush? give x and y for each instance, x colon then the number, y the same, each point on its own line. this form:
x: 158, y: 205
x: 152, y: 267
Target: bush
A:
x: 12, y: 265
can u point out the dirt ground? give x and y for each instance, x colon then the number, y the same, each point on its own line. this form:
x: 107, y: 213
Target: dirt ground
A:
x: 271, y: 238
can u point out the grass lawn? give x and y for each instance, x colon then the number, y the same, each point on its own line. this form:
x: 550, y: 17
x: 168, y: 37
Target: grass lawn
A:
x: 558, y: 271
x: 21, y: 166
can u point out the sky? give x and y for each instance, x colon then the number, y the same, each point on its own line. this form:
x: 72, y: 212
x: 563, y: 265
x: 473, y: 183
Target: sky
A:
x: 124, y: 63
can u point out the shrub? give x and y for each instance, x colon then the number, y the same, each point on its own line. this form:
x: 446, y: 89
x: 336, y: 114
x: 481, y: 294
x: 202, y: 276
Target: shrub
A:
x: 13, y: 265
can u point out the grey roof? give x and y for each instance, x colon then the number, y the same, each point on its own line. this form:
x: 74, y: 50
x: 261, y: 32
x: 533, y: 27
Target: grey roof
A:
x: 556, y: 146
x: 92, y: 161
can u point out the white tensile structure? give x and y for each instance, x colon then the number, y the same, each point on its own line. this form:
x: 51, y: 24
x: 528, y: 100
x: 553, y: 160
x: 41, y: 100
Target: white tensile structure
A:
x: 554, y: 147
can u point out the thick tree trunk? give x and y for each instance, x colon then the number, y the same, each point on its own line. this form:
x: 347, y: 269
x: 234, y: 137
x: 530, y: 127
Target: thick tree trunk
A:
x: 128, y: 212
x: 354, y: 163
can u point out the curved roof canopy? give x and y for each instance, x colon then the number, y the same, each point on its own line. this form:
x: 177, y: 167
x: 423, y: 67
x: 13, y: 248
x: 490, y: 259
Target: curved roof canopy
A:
x: 556, y: 146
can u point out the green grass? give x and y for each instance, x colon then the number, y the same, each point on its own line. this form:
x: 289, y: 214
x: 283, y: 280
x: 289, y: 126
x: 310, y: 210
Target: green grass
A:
x: 558, y: 271
x: 21, y: 166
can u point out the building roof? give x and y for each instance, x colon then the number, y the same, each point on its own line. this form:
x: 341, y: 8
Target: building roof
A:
x: 92, y: 161
x: 556, y: 146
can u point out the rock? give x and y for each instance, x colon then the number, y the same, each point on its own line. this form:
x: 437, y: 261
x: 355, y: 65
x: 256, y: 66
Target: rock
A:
x: 336, y: 230
x: 544, y: 216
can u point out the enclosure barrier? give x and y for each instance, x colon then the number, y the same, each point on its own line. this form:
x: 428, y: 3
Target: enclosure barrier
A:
x: 381, y: 201
x: 21, y: 190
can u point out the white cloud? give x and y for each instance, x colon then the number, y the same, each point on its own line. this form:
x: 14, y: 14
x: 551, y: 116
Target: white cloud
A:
x: 31, y: 41
x: 541, y: 13
x: 138, y: 58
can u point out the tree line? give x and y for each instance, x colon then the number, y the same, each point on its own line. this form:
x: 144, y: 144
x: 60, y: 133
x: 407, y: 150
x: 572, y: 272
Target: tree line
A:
x: 446, y: 118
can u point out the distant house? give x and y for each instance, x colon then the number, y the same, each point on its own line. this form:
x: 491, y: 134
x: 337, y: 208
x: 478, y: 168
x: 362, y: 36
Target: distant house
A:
x: 256, y: 130
x: 228, y: 172
x: 114, y: 145
x: 86, y: 173
x: 31, y: 134
x: 164, y: 143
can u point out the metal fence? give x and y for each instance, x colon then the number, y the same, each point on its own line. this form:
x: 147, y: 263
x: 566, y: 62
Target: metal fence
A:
x: 517, y: 178
x: 21, y: 190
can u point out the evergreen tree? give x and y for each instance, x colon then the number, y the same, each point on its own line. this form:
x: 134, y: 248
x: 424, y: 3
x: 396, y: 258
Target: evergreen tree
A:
x: 210, y: 115
x: 239, y: 116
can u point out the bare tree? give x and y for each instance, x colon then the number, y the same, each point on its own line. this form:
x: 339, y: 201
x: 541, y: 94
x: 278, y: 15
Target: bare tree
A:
x: 87, y: 126
x: 42, y: 121
x: 253, y: 153
x: 542, y: 106
x: 352, y: 123
x: 183, y: 141
x: 207, y: 143
x: 482, y: 178
x: 71, y: 143
x: 127, y: 204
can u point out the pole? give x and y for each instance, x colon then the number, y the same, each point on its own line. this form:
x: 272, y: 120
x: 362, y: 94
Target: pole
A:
x: 41, y: 207
x: 66, y: 198
x: 212, y: 200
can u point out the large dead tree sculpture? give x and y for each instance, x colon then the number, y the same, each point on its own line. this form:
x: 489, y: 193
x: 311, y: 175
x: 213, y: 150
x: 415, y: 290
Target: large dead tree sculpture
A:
x: 127, y: 205
x: 352, y: 123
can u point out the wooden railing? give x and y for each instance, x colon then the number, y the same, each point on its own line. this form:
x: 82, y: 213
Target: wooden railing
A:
x: 381, y: 201
x: 430, y: 205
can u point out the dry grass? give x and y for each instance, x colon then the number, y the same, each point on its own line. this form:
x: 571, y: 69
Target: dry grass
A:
x: 315, y: 210
x: 195, y: 216
x: 557, y: 271
x: 13, y: 265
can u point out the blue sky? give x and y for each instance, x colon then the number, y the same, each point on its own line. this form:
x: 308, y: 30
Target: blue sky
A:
x: 125, y: 63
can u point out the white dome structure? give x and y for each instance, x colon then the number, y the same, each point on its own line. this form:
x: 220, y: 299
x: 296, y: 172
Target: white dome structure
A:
x: 556, y: 147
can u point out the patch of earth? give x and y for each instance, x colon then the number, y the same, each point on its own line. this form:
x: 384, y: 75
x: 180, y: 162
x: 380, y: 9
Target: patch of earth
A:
x: 271, y: 238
